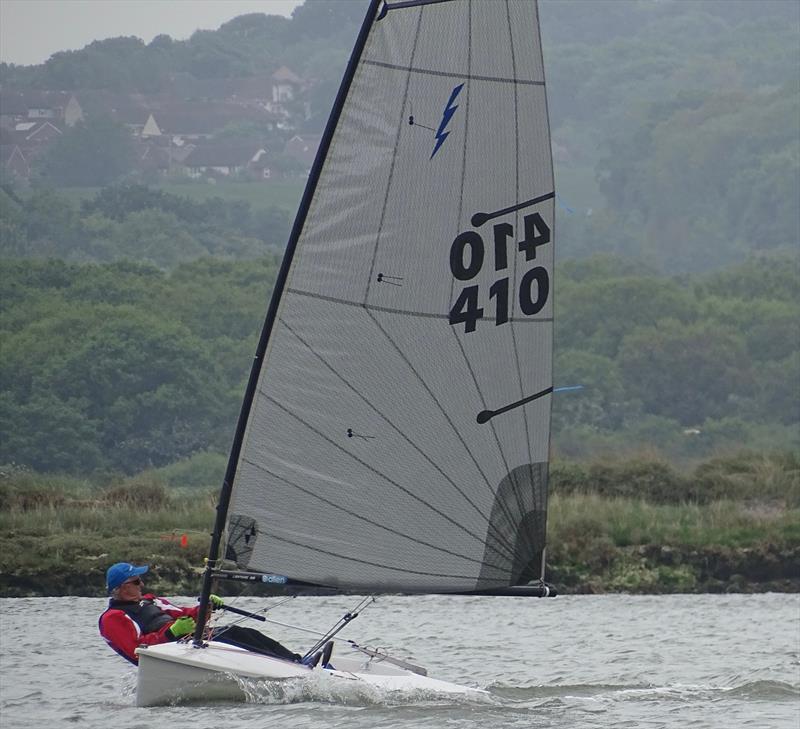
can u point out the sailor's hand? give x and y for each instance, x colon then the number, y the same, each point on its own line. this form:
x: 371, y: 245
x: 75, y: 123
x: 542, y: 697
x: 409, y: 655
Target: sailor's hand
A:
x: 182, y: 626
x: 216, y: 602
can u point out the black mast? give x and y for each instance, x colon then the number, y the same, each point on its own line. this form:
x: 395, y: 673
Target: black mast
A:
x: 280, y: 282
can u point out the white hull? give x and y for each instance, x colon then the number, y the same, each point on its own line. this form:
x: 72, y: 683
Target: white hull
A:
x: 179, y: 672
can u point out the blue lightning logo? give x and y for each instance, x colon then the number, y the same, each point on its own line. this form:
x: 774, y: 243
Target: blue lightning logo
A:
x: 447, y: 115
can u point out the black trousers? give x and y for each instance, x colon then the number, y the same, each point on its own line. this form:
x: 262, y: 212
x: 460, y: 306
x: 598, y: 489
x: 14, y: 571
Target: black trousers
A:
x: 252, y: 640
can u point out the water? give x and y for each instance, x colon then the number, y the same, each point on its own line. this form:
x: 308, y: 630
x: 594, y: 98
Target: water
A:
x: 576, y: 661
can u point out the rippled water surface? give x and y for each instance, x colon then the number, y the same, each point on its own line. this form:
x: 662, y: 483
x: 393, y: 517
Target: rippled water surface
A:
x: 589, y: 661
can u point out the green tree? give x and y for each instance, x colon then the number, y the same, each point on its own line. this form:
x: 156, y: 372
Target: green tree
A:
x: 95, y: 153
x: 601, y: 403
x: 156, y: 237
x: 48, y: 434
x: 149, y: 391
x: 595, y: 315
x: 686, y: 372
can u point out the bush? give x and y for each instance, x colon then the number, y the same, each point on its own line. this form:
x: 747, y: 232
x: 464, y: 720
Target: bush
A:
x: 650, y: 480
x: 140, y: 492
x: 24, y: 490
x: 202, y: 471
x: 749, y: 476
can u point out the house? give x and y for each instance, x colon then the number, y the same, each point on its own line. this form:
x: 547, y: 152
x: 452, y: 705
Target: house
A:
x: 303, y: 148
x: 73, y: 113
x: 286, y: 85
x: 195, y: 121
x: 37, y: 133
x: 15, y: 165
x: 33, y: 105
x: 41, y: 105
x: 150, y: 128
x: 13, y: 109
x: 228, y: 159
x: 127, y: 109
x: 161, y: 156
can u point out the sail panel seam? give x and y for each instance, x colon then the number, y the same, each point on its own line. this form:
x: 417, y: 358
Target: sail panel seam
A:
x: 453, y: 74
x: 403, y: 312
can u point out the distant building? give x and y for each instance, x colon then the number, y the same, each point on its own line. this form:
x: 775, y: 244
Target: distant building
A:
x: 181, y: 124
x: 286, y: 85
x: 228, y: 159
x: 303, y: 148
x: 15, y: 165
x: 73, y: 113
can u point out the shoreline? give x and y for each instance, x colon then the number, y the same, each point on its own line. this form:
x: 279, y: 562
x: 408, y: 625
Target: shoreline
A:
x: 633, y: 528
x: 637, y: 570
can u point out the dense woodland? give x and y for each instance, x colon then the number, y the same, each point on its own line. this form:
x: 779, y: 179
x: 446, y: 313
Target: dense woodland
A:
x: 137, y: 223
x: 124, y: 366
x: 128, y: 320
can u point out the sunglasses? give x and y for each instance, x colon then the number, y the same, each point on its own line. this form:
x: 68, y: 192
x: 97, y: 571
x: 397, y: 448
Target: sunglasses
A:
x: 134, y: 581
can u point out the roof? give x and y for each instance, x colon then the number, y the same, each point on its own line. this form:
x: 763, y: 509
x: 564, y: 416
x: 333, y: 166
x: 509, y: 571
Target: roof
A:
x: 303, y: 147
x: 44, y: 130
x: 13, y: 160
x: 232, y: 154
x: 286, y: 75
x: 124, y: 108
x: 205, y: 117
x: 9, y: 151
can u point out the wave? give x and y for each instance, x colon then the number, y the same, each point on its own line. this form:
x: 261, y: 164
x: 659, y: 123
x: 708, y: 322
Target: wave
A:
x: 766, y: 690
x: 761, y: 690
x: 319, y: 687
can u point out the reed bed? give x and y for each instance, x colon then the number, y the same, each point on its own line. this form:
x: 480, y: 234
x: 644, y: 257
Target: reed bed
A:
x: 637, y: 527
x: 574, y: 518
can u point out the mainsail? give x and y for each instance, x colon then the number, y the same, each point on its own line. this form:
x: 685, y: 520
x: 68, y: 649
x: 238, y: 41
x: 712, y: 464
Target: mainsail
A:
x: 395, y: 434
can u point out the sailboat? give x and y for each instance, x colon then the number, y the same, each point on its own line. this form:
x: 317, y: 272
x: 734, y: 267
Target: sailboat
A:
x: 395, y: 428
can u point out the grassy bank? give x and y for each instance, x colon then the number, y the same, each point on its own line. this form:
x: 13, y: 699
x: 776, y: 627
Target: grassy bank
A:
x: 630, y: 527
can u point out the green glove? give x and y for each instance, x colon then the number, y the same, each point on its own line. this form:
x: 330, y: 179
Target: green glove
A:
x: 182, y: 626
x: 216, y: 602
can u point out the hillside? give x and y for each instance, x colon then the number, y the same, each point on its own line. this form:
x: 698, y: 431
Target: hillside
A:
x: 676, y: 127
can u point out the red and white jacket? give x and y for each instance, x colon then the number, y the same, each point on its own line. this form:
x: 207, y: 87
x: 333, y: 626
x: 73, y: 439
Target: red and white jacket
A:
x: 127, y: 625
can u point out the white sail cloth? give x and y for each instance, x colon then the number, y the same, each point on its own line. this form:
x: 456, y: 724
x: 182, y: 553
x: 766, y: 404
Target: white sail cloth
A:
x: 404, y: 316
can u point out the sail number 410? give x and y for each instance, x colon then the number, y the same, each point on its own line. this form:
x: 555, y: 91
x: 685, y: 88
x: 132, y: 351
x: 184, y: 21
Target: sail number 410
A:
x: 466, y: 261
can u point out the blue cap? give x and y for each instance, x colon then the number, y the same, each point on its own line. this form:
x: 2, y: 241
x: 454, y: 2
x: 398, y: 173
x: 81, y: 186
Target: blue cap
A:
x: 122, y: 571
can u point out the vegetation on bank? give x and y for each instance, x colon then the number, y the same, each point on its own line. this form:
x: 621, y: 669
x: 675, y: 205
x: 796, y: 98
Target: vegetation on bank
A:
x: 122, y: 367
x: 731, y: 524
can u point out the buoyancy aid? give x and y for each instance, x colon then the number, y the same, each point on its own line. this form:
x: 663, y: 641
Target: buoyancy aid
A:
x: 146, y: 614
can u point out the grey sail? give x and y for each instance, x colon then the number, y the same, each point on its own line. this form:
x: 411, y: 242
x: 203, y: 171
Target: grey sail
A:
x: 398, y: 431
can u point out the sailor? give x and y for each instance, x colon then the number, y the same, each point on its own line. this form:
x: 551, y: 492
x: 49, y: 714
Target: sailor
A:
x: 134, y: 618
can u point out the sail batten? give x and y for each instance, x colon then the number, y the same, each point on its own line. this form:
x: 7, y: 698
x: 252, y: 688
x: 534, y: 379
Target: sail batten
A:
x: 397, y: 433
